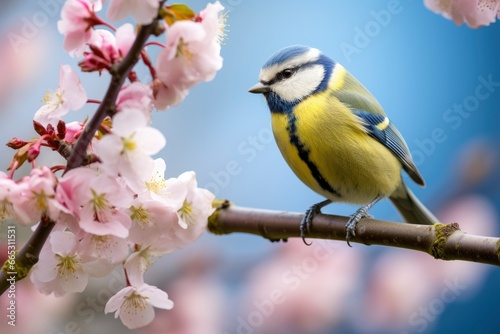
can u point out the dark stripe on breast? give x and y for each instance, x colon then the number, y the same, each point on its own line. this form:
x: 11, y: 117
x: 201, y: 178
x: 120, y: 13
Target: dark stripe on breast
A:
x: 304, y: 156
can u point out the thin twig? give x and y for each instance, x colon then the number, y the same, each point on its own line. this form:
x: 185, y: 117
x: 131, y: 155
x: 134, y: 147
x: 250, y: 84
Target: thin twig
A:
x: 442, y: 241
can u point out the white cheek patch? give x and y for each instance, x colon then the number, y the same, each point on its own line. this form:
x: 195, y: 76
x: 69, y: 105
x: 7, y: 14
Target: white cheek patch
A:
x: 301, y: 84
x: 268, y: 73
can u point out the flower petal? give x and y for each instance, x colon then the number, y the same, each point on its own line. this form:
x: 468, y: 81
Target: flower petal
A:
x: 149, y: 140
x: 74, y: 280
x: 116, y: 301
x: 63, y: 243
x: 156, y: 297
x: 134, y: 317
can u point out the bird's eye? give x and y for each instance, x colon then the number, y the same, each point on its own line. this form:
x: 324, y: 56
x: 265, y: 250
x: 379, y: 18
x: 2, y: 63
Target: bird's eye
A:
x: 285, y: 74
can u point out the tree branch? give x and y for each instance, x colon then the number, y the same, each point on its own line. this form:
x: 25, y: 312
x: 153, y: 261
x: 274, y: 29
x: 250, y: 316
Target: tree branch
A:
x: 27, y: 256
x: 442, y: 241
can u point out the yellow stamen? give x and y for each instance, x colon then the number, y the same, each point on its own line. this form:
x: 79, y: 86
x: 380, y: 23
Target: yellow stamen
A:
x: 222, y: 26
x: 129, y: 144
x: 98, y: 201
x: 136, y: 301
x: 53, y: 100
x: 67, y: 263
x: 41, y: 200
x: 140, y: 215
x: 185, y: 212
x: 183, y: 50
x: 6, y: 209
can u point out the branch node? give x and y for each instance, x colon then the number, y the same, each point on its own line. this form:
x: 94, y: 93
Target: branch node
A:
x: 497, y: 250
x: 443, y: 232
x: 20, y: 268
x: 159, y: 28
x: 214, y: 225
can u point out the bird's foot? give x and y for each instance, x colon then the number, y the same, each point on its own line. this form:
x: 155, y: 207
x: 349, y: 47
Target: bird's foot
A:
x: 362, y: 212
x: 305, y: 224
x: 350, y: 226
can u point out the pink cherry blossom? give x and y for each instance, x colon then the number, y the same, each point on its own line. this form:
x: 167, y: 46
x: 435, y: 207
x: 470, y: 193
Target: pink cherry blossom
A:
x: 475, y: 13
x: 7, y: 188
x: 77, y: 19
x: 150, y: 220
x: 155, y: 214
x: 143, y: 11
x: 154, y: 234
x: 198, y: 204
x: 184, y: 52
x: 194, y: 207
x: 165, y: 242
x: 60, y: 268
x: 160, y: 228
x: 168, y: 93
x: 112, y: 248
x: 103, y: 52
x: 171, y: 192
x: 105, y: 212
x: 214, y: 23
x: 70, y: 95
x: 137, y: 264
x: 107, y: 48
x: 42, y: 185
x: 73, y: 188
x: 73, y: 131
x: 36, y: 196
x: 134, y: 305
x: 125, y: 37
x: 136, y: 96
x: 127, y: 150
x: 19, y: 203
x: 193, y: 216
x: 98, y: 200
x: 192, y: 55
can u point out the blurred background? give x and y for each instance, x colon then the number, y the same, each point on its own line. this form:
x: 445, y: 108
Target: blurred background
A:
x: 439, y: 83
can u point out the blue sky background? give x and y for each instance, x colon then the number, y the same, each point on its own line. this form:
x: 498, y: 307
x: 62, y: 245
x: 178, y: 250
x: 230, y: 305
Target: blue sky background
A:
x: 417, y: 64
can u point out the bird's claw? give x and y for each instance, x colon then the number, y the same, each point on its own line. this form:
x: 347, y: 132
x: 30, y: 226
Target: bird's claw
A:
x: 305, y: 224
x: 350, y: 226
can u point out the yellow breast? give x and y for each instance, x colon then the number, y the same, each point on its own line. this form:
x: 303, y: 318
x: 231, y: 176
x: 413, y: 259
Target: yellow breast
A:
x: 329, y: 151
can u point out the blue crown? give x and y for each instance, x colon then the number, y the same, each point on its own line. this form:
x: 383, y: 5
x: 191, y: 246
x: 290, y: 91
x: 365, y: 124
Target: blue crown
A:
x: 286, y: 53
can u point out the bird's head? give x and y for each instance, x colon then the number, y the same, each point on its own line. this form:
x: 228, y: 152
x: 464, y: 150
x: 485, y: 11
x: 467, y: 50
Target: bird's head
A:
x: 292, y: 74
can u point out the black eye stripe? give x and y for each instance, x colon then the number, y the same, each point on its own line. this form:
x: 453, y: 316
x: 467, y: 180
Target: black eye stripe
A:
x: 282, y: 75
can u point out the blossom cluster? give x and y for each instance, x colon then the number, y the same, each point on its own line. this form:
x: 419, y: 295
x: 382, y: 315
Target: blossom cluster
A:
x: 117, y: 209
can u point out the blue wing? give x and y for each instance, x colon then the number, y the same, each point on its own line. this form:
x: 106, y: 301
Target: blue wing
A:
x: 379, y: 127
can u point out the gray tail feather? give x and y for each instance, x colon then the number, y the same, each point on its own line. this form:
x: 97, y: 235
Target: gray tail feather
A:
x: 412, y: 210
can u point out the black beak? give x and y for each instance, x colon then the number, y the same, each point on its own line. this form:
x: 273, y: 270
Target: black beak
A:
x: 259, y: 89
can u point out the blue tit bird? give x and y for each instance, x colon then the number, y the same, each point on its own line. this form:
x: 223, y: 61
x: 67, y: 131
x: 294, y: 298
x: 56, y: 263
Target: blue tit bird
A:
x: 335, y: 136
